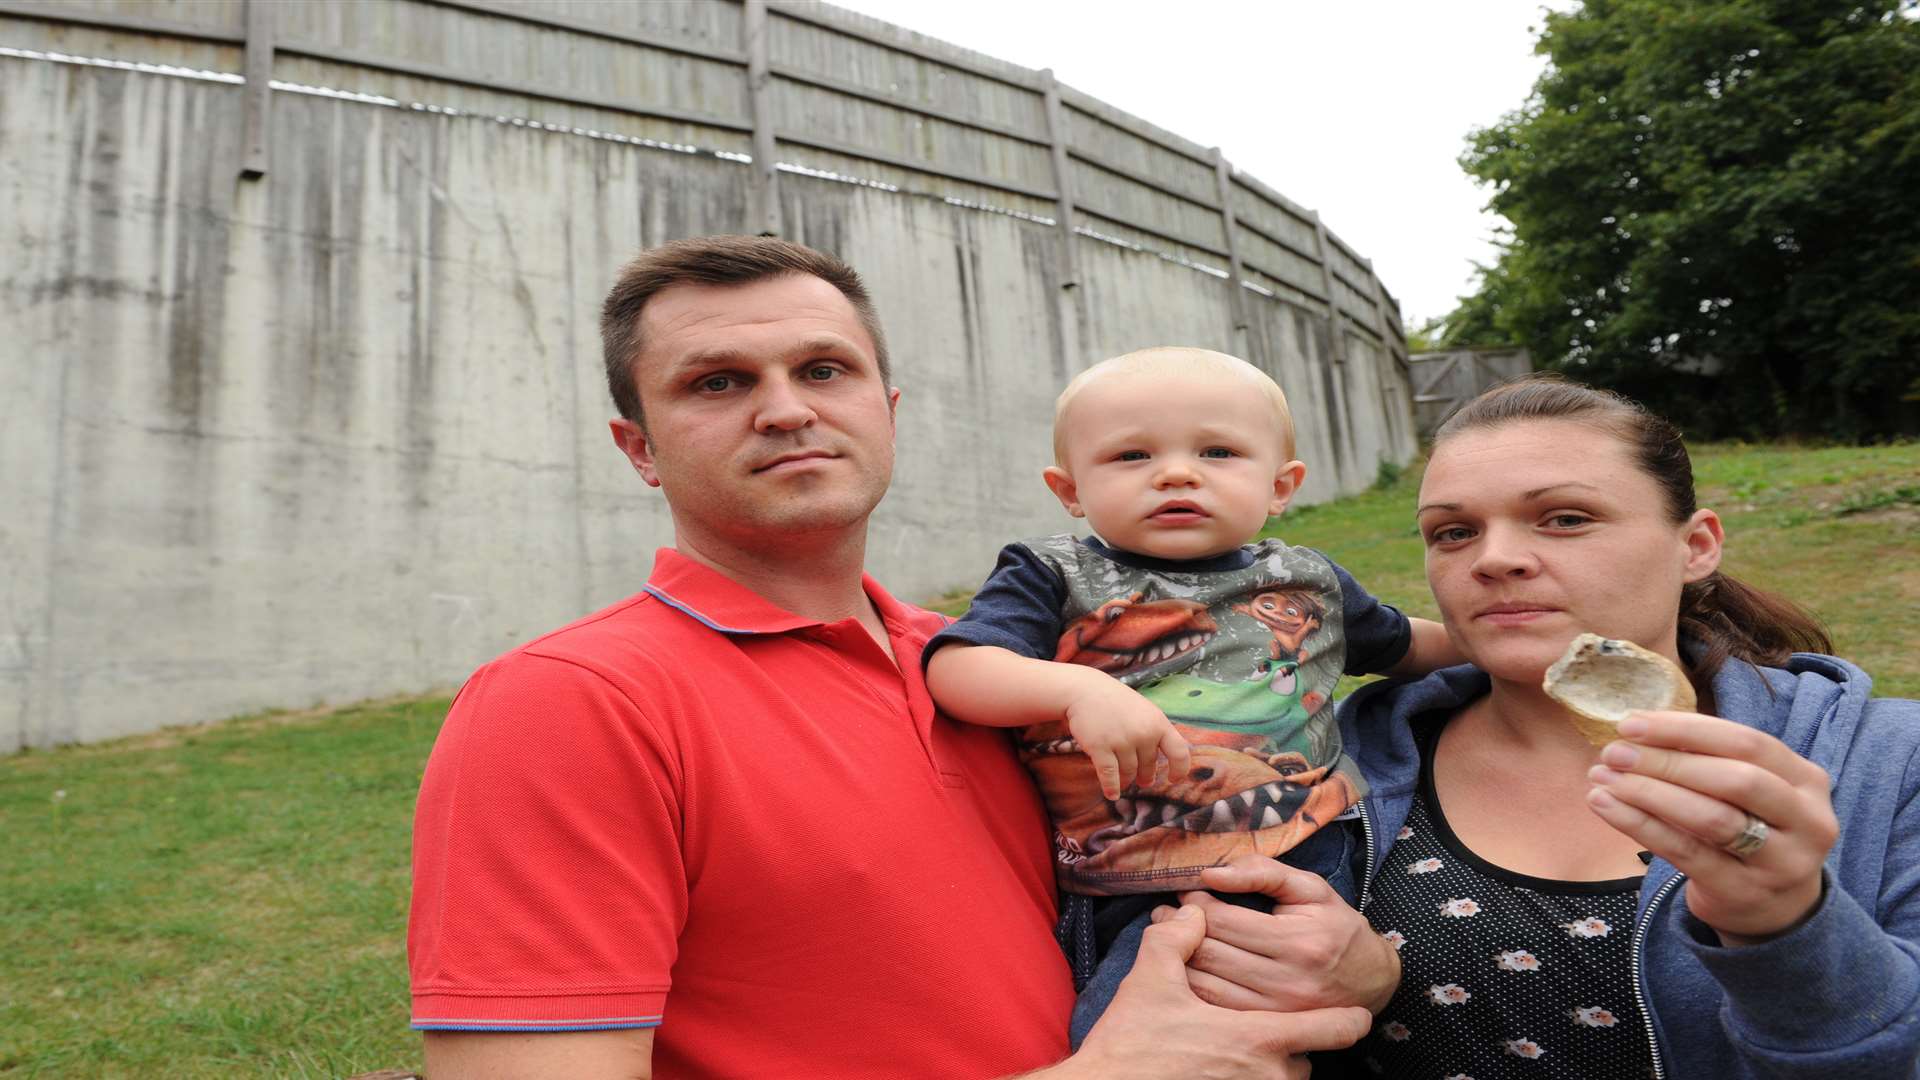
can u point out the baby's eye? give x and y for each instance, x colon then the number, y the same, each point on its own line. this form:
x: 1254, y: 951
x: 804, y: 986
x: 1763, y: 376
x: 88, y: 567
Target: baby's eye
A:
x: 1131, y: 455
x: 1216, y: 452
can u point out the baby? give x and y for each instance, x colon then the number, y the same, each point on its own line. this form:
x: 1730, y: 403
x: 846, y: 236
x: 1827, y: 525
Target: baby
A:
x: 1172, y: 677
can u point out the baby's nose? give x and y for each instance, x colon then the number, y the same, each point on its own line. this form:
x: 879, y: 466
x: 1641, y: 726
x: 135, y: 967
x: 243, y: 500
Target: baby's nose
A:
x: 1176, y: 473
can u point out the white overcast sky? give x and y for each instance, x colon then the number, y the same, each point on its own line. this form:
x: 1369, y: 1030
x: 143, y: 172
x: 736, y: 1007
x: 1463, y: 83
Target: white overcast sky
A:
x: 1356, y: 108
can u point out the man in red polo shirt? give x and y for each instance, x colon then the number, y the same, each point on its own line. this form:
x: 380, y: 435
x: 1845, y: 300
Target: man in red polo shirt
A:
x: 717, y: 829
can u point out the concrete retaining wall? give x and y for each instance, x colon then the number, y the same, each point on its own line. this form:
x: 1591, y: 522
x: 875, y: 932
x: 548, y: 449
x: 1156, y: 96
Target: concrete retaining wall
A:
x: 340, y: 432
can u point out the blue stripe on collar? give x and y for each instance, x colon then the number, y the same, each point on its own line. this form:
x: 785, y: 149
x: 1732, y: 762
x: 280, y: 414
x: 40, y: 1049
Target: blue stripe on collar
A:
x: 680, y: 605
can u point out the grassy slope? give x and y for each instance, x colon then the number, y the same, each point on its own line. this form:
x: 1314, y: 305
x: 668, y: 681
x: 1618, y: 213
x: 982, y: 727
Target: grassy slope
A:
x: 231, y: 900
x: 220, y: 901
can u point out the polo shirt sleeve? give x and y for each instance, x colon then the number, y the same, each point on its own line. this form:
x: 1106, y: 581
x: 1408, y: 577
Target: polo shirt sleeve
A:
x: 1378, y: 635
x: 1017, y: 609
x: 549, y: 889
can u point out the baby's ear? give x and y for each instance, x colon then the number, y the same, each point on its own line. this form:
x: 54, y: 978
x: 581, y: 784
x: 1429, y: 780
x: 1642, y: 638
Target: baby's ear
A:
x: 1286, y: 483
x: 1060, y: 482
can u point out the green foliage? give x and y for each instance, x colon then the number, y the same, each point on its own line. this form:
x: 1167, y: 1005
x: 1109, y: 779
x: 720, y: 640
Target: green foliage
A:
x: 1424, y: 337
x: 1712, y: 205
x: 1387, y: 475
x: 1479, y: 322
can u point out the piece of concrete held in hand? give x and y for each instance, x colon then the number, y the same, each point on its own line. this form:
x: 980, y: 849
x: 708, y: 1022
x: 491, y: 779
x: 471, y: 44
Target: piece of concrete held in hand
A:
x: 1601, y: 680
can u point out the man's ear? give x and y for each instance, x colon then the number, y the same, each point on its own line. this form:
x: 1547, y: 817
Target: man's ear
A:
x: 1060, y: 482
x: 1705, y: 541
x: 1285, y: 483
x: 893, y: 409
x: 631, y: 438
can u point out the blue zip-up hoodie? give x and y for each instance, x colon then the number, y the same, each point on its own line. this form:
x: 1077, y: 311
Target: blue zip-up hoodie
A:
x: 1838, y: 996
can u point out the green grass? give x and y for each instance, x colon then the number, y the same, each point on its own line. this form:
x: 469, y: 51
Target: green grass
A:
x: 220, y: 901
x: 231, y: 900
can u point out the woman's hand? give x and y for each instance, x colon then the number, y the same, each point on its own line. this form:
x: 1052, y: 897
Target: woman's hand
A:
x: 1314, y: 951
x: 1683, y: 785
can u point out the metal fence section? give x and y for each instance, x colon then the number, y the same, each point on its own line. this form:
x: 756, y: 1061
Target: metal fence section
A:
x: 302, y: 355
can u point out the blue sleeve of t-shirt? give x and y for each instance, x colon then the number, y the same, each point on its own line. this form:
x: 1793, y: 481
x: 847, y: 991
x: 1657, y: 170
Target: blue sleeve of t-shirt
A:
x: 1377, y: 634
x: 1018, y: 609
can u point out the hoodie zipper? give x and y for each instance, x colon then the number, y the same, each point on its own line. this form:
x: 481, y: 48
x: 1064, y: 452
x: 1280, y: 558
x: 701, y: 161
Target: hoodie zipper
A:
x: 1639, y: 970
x: 1366, y: 873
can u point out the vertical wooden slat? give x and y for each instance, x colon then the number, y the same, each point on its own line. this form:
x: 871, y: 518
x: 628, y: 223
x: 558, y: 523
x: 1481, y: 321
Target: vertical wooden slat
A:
x: 257, y: 130
x: 764, y: 209
x: 1391, y: 335
x: 1223, y: 185
x: 1336, y: 333
x: 1069, y: 258
x: 1393, y: 343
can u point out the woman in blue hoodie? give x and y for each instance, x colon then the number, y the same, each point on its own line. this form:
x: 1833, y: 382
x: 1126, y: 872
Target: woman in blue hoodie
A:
x: 1730, y: 893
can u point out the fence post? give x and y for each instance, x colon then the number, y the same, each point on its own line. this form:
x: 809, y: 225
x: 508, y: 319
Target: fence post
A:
x: 1069, y: 260
x: 1336, y: 337
x: 1390, y: 332
x: 257, y: 130
x: 764, y: 186
x: 1391, y: 343
x: 1223, y: 185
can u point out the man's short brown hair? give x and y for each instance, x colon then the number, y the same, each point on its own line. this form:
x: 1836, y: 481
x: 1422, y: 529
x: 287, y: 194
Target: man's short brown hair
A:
x: 714, y: 260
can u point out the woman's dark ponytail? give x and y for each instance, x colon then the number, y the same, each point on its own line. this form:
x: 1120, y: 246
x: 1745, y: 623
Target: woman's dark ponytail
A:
x: 1722, y: 616
x: 1731, y: 619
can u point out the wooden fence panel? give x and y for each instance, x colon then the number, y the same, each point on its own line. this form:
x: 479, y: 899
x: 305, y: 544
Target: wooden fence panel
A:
x: 440, y: 40
x: 812, y: 116
x: 959, y: 93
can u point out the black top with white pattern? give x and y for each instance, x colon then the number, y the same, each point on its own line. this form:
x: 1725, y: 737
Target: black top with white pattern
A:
x: 1504, y: 975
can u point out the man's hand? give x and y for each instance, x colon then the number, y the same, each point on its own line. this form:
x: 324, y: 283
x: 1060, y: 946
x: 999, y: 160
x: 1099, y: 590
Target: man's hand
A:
x: 1157, y: 1029
x: 1313, y: 952
x: 1124, y: 734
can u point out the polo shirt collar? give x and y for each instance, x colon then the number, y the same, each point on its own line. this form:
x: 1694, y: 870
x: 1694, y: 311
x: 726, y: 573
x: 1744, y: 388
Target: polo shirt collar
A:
x: 721, y: 603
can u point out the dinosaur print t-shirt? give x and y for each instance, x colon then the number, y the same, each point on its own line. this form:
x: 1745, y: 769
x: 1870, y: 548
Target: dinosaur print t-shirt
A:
x: 1241, y: 651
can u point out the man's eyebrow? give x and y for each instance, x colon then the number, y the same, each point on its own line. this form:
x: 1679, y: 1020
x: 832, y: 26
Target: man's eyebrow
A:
x: 722, y: 355
x: 707, y: 358
x: 1424, y: 507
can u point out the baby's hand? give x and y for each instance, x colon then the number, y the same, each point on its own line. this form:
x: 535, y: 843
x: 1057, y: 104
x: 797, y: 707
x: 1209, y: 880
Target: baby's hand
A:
x: 1125, y: 735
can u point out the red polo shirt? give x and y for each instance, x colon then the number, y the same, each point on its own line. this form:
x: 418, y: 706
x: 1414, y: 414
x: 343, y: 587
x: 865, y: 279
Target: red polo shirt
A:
x: 697, y: 810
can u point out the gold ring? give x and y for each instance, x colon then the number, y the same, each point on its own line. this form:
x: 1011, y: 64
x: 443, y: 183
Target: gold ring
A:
x: 1753, y: 836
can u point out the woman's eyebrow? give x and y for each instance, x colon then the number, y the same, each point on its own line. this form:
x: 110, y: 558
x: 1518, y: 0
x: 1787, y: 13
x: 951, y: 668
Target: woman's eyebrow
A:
x: 1536, y: 493
x: 1525, y: 496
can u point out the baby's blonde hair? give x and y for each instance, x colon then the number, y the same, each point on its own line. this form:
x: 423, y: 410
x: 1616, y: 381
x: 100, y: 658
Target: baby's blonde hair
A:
x: 1177, y: 361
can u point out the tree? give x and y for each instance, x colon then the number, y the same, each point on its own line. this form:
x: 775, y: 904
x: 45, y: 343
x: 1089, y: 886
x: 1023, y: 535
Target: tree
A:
x: 1716, y: 209
x: 1481, y: 320
x: 1423, y: 337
